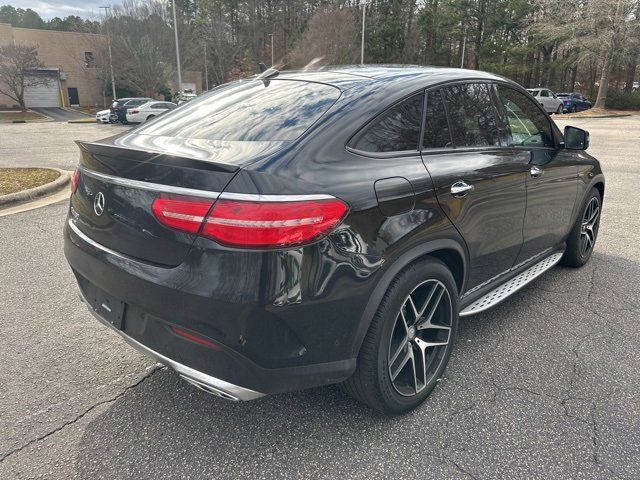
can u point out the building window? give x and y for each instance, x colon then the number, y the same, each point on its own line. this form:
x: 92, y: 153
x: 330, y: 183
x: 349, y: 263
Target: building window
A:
x: 89, y: 61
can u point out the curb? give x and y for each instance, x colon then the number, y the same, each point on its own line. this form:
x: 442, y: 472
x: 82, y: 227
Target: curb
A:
x: 597, y: 116
x: 83, y: 120
x: 32, y: 193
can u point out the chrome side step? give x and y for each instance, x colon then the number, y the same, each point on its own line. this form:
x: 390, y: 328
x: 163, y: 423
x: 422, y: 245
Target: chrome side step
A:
x: 508, y: 288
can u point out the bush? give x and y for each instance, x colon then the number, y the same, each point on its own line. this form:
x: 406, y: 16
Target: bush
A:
x: 623, y: 101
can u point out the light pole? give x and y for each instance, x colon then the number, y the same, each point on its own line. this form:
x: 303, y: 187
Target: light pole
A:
x: 175, y: 31
x: 206, y: 73
x: 107, y: 10
x: 364, y: 10
x: 464, y: 45
x: 271, y: 35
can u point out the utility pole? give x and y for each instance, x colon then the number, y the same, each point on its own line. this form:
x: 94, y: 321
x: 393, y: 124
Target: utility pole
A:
x: 271, y: 35
x: 364, y: 9
x: 107, y: 11
x: 206, y: 73
x: 175, y: 31
x: 464, y: 45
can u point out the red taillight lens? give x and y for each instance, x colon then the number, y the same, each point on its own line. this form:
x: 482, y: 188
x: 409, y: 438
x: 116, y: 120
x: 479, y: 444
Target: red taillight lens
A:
x: 181, y: 213
x: 272, y: 224
x: 134, y: 111
x: 249, y: 224
x: 75, y: 179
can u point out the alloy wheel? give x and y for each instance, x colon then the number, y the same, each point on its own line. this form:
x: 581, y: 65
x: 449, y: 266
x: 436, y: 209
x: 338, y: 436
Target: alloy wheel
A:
x: 420, y: 336
x: 589, y: 226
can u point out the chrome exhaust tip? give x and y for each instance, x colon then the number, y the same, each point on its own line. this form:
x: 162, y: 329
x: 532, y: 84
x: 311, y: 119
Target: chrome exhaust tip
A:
x: 210, y: 389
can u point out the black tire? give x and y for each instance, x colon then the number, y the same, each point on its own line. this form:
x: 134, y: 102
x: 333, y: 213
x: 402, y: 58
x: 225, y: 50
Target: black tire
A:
x: 576, y: 255
x: 372, y: 382
x: 559, y: 110
x: 573, y: 109
x: 150, y: 117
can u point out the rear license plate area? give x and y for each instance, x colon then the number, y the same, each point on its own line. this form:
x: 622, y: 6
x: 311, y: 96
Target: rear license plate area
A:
x: 107, y: 306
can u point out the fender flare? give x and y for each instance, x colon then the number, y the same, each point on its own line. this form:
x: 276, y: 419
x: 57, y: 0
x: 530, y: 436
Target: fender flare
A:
x: 397, y: 265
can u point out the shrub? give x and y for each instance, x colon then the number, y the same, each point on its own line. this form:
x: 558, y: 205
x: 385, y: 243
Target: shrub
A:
x: 623, y: 101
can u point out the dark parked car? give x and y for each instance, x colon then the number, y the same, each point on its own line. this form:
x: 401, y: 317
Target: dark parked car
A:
x: 574, y: 102
x: 307, y: 228
x: 120, y: 106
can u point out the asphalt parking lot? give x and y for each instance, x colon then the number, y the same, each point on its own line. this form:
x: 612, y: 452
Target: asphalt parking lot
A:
x: 546, y: 385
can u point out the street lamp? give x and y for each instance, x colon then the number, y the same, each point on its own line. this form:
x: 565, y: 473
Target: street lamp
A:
x: 364, y: 10
x: 107, y: 11
x: 271, y: 35
x: 175, y: 32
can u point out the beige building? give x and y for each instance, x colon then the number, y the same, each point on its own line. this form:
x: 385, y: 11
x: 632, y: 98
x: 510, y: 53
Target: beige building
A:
x: 71, y: 61
x: 78, y: 75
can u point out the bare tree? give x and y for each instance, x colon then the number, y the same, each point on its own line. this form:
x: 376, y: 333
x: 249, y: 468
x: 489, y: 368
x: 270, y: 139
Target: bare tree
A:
x: 17, y: 65
x: 331, y: 34
x: 598, y: 29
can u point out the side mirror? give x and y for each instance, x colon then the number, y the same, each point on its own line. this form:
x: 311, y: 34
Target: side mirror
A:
x: 575, y: 138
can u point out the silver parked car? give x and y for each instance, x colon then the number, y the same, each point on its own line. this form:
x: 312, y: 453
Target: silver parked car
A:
x: 548, y: 99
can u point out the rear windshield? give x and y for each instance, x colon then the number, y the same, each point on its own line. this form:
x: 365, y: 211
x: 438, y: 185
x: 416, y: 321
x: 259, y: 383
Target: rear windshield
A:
x: 252, y: 110
x: 563, y: 94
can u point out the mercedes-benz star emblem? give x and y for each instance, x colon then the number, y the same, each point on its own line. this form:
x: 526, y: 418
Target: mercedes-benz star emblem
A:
x: 98, y: 204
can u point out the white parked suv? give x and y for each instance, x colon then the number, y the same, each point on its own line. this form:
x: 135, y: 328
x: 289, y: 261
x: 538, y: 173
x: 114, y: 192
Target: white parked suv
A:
x: 148, y: 110
x: 548, y: 99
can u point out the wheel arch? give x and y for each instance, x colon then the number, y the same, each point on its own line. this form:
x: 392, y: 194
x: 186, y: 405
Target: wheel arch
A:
x: 599, y: 184
x: 449, y: 251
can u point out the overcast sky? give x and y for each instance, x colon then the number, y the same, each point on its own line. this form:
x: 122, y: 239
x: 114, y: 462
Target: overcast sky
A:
x: 62, y: 8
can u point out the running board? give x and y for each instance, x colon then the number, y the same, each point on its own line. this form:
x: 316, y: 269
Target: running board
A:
x: 506, y: 289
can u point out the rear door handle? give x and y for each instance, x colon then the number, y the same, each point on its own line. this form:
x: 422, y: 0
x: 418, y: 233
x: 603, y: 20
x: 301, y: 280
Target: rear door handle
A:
x: 460, y: 189
x: 536, y: 172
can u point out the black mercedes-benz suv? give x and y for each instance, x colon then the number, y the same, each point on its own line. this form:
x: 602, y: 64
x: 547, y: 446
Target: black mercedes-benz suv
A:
x: 305, y: 228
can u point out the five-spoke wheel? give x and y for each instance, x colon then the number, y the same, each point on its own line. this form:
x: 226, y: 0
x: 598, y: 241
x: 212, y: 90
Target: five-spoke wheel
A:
x: 584, y: 233
x: 589, y: 226
x: 422, y: 329
x: 409, y: 342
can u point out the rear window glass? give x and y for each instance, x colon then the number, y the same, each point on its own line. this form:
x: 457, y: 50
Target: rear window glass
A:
x: 396, y: 130
x: 436, y: 126
x: 472, y: 115
x: 251, y: 110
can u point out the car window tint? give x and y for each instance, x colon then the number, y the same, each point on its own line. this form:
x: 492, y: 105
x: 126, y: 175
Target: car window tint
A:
x: 544, y: 93
x: 248, y: 110
x: 158, y: 106
x: 472, y: 115
x: 436, y: 127
x: 528, y: 125
x: 396, y: 130
x: 534, y: 92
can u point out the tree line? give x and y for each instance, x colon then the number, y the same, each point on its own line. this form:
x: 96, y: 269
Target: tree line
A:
x: 566, y: 45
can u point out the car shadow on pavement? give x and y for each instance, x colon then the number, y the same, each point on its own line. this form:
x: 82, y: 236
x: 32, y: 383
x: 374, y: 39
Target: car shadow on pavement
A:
x: 516, y: 383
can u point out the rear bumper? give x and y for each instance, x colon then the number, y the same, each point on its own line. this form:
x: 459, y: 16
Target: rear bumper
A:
x: 201, y: 380
x: 263, y: 344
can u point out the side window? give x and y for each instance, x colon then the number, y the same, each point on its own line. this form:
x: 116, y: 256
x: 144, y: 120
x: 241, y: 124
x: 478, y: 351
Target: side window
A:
x: 472, y: 115
x: 396, y: 130
x: 158, y: 106
x: 544, y: 93
x: 436, y: 126
x: 529, y: 126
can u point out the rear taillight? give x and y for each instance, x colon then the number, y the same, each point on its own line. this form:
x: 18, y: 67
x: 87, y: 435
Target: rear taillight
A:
x: 134, y: 111
x: 184, y: 214
x: 75, y: 179
x: 253, y: 224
